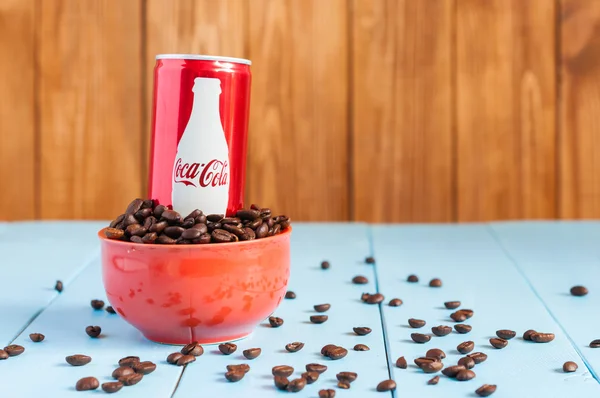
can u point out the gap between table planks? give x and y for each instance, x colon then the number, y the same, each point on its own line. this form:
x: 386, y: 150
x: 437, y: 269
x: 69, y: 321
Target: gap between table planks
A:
x: 407, y: 249
x: 345, y: 246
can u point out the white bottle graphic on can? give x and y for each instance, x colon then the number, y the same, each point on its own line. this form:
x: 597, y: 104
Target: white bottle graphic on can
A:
x: 201, y: 169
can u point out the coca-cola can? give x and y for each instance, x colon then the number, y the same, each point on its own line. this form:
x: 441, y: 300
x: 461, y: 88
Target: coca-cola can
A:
x: 199, y: 133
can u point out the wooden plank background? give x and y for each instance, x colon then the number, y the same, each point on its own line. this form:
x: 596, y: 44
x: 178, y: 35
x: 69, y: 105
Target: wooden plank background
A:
x: 368, y: 110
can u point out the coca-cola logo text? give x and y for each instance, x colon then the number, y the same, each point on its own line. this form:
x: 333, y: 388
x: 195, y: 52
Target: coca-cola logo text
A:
x: 213, y: 173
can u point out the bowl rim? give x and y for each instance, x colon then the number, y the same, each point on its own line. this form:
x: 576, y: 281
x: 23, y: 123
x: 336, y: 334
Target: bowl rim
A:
x: 286, y: 232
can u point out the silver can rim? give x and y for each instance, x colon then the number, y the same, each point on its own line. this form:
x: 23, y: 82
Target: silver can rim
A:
x: 201, y: 57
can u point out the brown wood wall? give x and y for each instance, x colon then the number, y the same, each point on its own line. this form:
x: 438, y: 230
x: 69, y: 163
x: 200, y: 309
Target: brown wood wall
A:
x: 370, y: 110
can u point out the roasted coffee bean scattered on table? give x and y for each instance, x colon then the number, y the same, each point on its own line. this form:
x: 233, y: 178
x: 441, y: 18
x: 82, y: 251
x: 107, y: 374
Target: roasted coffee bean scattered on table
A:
x: 193, y: 348
x: 361, y: 347
x: 412, y: 279
x: 416, y: 323
x: 145, y: 222
x: 333, y: 352
x: 527, y: 334
x: 131, y: 379
x: 452, y: 305
x: 595, y: 343
x: 370, y: 260
x: 498, y: 343
x: 343, y: 384
x: 296, y: 385
x: 122, y: 371
x: 386, y: 385
x: 294, y: 347
x: 422, y: 361
x: 452, y: 371
x: 244, y: 367
x: 234, y: 375
x: 87, y: 384
x: 401, y: 363
x: 112, y: 387
x: 282, y: 370
x: 420, y: 338
x: 318, y: 319
x: 37, y: 337
x: 462, y: 328
x: 569, y: 367
x: 59, y: 286
x: 372, y: 298
x: 93, y: 331
x: 486, y: 390
x: 227, y: 348
x: 14, y: 350
x: 362, y: 330
x: 435, y: 283
x: 360, y: 280
x: 185, y: 359
x: 434, y: 381
x: 347, y: 376
x: 130, y: 361
x: 436, y: 353
x: 478, y: 357
x: 281, y: 382
x: 579, y: 291
x: 78, y: 360
x: 441, y: 330
x: 275, y: 322
x: 110, y: 310
x: 506, y: 334
x: 316, y: 367
x: 144, y: 368
x: 396, y: 302
x: 252, y: 353
x: 466, y: 347
x: 329, y: 393
x: 542, y: 337
x: 3, y: 355
x: 467, y: 362
x: 310, y: 377
x: 97, y: 304
x: 325, y: 265
x: 290, y: 295
x: 465, y: 375
x: 322, y: 307
x: 174, y: 357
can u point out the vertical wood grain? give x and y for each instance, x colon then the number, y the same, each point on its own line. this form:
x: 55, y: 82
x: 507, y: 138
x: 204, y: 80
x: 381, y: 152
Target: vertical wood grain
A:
x: 298, y: 144
x: 17, y: 110
x: 579, y: 109
x: 189, y: 27
x: 90, y: 112
x: 402, y: 110
x: 506, y: 93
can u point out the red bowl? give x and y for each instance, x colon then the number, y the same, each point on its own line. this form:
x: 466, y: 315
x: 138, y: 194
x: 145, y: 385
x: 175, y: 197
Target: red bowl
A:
x: 213, y: 293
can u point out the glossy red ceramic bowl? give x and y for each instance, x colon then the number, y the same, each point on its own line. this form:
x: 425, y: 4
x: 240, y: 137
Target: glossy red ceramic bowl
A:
x: 176, y: 294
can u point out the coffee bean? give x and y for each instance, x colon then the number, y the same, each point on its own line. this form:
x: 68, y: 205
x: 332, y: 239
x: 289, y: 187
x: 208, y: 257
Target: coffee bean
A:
x: 325, y: 350
x: 527, y: 334
x: 127, y: 221
x: 136, y: 239
x: 172, y: 217
x: 462, y: 328
x: 252, y: 353
x: 316, y: 367
x: 214, y: 217
x: 234, y: 229
x: 191, y: 234
x: 244, y: 367
x: 375, y: 298
x: 412, y: 279
x: 466, y: 347
x: 296, y: 385
x: 432, y: 367
x: 227, y: 348
x: 360, y: 280
x: 347, y: 376
x: 434, y: 381
x: 318, y: 318
x: 112, y: 387
x: 110, y: 310
x: 116, y: 221
x: 465, y: 375
x: 386, y: 385
x: 97, y: 304
x: 282, y: 370
x: 131, y: 379
x: 458, y: 316
x: 185, y: 359
x: 87, y: 384
x: 222, y: 236
x: 158, y: 227
x: 322, y: 307
x: 174, y: 232
x: 134, y: 206
x: 436, y: 353
x: 325, y: 265
x: 36, y: 337
x: 370, y: 260
x: 435, y: 283
x: 343, y: 384
x: 290, y: 295
x: 451, y: 305
x: 361, y: 347
x: 129, y: 361
x: 478, y: 357
x: 420, y: 338
x: 193, y: 348
x: 135, y: 230
x: 114, y: 233
x: 78, y: 360
x: 174, y: 357
x: 506, y: 334
x: 327, y: 393
x: 416, y: 323
x: 396, y: 302
x: 3, y: 355
x: 569, y: 367
x: 93, y: 331
x: 579, y: 291
x: 142, y: 214
x: 262, y: 231
x: 365, y: 296
x: 441, y: 330
x: 401, y: 363
x: 230, y: 220
x: 468, y: 313
x: 275, y: 322
x: 337, y: 353
x: 498, y: 343
x: 145, y: 367
x: 595, y: 344
x: 294, y: 347
x: 421, y: 361
x: 542, y: 337
x: 59, y: 286
x: 467, y: 362
x: 234, y: 375
x: 310, y: 377
x: 486, y: 390
x: 247, y: 214
x: 362, y: 330
x: 14, y: 350
x: 281, y: 382
x: 452, y: 371
x: 122, y: 371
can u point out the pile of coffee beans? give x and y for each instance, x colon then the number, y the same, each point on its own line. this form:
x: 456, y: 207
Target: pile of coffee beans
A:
x: 146, y: 222
x: 129, y: 372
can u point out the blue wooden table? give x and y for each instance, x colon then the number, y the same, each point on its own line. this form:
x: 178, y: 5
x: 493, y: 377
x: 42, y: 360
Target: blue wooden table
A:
x: 513, y: 275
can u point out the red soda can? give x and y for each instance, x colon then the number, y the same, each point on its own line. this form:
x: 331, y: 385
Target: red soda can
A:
x: 199, y: 133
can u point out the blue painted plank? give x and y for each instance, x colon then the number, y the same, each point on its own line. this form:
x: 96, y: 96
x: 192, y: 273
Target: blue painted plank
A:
x: 475, y: 270
x: 33, y: 255
x: 555, y: 257
x: 346, y: 247
x: 63, y: 323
